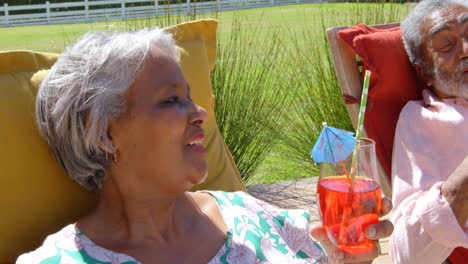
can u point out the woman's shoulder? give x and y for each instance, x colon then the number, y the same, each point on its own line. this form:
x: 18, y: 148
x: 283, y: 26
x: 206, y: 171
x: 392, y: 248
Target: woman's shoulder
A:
x: 241, y: 203
x: 231, y: 198
x: 51, y: 249
x: 70, y: 245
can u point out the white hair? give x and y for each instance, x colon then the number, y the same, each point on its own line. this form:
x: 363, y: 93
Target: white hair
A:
x: 410, y: 27
x: 85, y: 88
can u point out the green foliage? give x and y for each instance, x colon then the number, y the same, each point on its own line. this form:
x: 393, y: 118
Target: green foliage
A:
x: 317, y: 98
x: 251, y: 93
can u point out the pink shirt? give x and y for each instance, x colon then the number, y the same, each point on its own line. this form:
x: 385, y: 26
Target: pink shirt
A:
x: 431, y: 140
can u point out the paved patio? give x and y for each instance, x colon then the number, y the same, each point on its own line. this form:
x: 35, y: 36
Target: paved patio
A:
x: 300, y: 194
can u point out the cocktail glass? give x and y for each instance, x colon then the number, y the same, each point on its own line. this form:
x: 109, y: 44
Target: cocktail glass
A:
x: 346, y: 209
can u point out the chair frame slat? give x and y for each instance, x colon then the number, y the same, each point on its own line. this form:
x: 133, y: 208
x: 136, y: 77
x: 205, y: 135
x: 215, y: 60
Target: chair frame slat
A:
x: 350, y: 80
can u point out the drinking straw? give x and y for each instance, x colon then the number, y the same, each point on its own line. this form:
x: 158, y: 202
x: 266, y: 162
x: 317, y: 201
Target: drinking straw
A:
x: 346, y: 172
x: 347, y: 212
x: 360, y: 123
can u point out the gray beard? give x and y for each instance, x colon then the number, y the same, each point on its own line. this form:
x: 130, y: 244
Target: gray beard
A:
x: 451, y: 84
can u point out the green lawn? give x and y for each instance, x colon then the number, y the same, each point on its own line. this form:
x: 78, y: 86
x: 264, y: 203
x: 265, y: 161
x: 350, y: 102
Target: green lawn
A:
x: 53, y: 38
x: 275, y: 59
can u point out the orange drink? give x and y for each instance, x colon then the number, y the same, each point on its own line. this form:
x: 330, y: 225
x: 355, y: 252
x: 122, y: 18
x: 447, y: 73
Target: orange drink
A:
x: 348, y: 206
x: 346, y: 211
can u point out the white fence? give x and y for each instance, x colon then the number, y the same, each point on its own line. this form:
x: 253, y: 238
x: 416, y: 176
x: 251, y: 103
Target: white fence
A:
x: 89, y: 10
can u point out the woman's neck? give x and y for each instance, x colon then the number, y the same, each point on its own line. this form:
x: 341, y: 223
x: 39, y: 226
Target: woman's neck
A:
x: 136, y: 219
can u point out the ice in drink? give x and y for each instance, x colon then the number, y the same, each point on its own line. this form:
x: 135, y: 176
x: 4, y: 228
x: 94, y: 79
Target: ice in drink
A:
x: 347, y: 212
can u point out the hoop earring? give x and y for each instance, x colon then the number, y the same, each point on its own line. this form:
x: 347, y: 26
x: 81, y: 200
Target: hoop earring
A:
x: 114, y: 157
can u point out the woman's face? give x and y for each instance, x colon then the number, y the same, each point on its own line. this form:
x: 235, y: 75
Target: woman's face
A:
x: 158, y: 138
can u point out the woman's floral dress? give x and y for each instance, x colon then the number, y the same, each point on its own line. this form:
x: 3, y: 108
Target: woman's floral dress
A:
x: 257, y: 233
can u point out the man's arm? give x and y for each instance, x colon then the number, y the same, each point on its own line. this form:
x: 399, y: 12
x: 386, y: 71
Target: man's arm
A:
x: 455, y: 190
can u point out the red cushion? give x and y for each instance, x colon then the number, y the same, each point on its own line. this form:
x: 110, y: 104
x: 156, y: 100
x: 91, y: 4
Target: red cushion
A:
x: 459, y: 255
x: 393, y: 82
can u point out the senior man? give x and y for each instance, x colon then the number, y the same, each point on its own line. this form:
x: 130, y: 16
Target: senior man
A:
x: 430, y: 164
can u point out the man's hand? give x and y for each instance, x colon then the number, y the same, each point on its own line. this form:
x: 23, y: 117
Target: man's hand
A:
x: 455, y: 190
x: 340, y: 256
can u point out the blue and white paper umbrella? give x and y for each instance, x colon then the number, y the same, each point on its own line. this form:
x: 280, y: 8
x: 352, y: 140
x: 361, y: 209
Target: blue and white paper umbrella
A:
x: 333, y: 145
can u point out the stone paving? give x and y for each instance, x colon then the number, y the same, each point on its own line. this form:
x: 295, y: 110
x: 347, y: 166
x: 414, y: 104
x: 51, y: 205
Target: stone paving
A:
x: 295, y: 194
x: 301, y: 194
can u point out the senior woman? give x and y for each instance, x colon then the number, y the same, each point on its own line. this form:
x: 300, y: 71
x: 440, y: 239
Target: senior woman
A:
x: 117, y: 114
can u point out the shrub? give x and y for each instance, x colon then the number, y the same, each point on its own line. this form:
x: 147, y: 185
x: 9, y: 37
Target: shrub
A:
x: 251, y: 92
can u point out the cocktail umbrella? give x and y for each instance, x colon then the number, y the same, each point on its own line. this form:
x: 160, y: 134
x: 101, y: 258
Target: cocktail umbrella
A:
x: 334, y: 145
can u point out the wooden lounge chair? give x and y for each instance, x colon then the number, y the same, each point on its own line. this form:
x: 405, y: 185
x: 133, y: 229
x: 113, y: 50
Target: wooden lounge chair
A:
x: 350, y: 79
x: 394, y: 82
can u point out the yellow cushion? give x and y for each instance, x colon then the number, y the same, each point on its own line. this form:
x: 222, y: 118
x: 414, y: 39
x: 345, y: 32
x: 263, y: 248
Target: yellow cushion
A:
x: 37, y: 198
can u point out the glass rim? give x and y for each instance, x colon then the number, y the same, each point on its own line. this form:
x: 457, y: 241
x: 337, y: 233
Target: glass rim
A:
x: 366, y: 142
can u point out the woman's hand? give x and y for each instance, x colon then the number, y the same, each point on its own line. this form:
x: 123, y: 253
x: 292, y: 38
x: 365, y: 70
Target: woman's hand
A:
x: 374, y: 232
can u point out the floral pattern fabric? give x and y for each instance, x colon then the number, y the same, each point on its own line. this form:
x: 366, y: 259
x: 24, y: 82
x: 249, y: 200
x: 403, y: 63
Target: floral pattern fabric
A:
x: 260, y: 233
x: 257, y: 233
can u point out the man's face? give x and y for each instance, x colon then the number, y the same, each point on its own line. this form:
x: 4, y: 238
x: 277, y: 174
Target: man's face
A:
x: 445, y: 50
